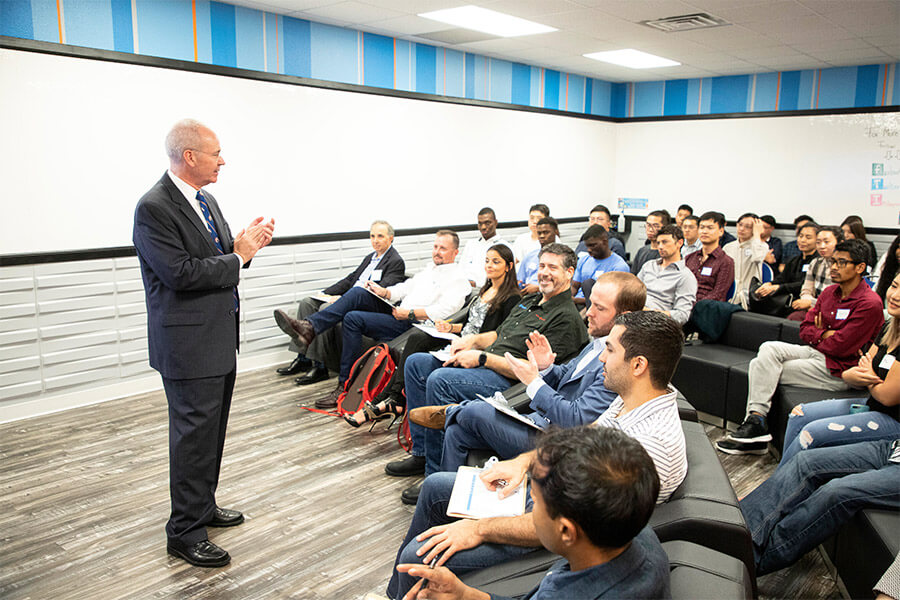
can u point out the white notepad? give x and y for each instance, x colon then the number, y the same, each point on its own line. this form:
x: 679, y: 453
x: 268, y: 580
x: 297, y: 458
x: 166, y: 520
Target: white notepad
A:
x: 471, y: 499
x: 499, y: 402
x: 435, y: 333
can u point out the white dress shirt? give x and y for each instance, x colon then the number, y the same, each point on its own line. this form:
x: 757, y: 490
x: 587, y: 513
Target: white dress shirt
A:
x: 440, y: 289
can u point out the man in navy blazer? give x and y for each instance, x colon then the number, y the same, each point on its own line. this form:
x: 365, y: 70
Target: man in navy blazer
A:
x: 564, y: 395
x: 190, y: 265
x: 383, y: 266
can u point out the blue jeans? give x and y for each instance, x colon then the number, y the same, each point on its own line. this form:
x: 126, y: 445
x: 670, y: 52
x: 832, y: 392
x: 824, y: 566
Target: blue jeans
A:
x: 829, y: 423
x: 430, y: 384
x: 808, y: 498
x: 362, y: 314
x: 431, y: 510
x: 478, y: 426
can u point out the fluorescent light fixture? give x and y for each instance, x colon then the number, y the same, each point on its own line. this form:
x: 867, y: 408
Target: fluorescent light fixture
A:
x: 487, y: 21
x: 633, y: 59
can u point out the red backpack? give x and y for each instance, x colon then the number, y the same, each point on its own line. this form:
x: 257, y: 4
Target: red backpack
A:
x: 369, y: 375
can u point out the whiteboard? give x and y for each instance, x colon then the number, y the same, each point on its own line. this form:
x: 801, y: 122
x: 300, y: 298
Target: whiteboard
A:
x: 827, y: 166
x: 82, y: 140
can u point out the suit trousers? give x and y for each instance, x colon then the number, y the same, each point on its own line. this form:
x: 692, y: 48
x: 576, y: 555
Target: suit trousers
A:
x: 198, y: 416
x: 479, y: 426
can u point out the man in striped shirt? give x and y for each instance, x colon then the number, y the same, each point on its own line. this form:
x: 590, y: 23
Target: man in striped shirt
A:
x: 641, y: 354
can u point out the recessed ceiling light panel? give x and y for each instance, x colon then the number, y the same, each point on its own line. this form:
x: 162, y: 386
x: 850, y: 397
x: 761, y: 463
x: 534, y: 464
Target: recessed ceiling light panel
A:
x: 488, y: 21
x: 633, y: 59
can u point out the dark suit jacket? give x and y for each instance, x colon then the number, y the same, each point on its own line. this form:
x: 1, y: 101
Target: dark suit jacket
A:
x: 392, y: 267
x: 192, y: 326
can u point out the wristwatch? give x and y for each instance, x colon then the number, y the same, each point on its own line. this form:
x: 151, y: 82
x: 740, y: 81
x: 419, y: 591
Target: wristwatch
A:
x: 482, y: 359
x: 412, y: 314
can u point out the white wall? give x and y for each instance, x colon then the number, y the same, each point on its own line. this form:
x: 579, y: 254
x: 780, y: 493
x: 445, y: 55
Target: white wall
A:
x: 782, y: 166
x: 83, y: 140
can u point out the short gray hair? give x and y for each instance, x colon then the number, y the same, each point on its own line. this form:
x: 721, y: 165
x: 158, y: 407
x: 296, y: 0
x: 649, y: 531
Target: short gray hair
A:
x: 385, y: 223
x: 184, y: 135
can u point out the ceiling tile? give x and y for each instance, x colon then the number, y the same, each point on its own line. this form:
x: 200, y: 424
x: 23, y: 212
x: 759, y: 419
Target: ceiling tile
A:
x: 537, y: 54
x: 572, y: 43
x: 529, y: 9
x: 864, y: 54
x: 411, y: 25
x: 863, y: 20
x: 764, y: 12
x: 284, y: 6
x: 855, y: 62
x: 713, y: 7
x: 801, y: 29
x: 825, y: 7
x: 415, y: 7
x: 354, y: 12
x: 848, y: 44
x: 645, y: 10
x: 730, y: 37
x: 790, y: 64
x: 753, y: 54
x: 495, y: 46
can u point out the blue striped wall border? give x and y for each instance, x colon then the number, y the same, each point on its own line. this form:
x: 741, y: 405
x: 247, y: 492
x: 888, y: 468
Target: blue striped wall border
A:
x: 222, y: 34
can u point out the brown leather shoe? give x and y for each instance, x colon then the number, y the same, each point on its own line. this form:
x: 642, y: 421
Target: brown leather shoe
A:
x: 330, y: 401
x: 432, y: 417
x: 302, y: 331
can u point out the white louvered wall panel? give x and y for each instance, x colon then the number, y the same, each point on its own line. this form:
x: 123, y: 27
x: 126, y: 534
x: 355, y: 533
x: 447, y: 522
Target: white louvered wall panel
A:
x: 74, y: 326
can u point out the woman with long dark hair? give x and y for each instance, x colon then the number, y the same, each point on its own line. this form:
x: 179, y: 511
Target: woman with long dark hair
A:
x: 853, y: 229
x: 887, y: 267
x: 487, y: 310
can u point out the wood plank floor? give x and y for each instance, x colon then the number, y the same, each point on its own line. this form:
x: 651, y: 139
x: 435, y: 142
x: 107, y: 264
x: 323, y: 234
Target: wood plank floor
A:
x: 84, y: 497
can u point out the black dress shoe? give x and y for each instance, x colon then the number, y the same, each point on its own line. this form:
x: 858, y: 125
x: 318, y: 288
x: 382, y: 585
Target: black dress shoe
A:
x: 223, y: 517
x: 301, y: 364
x: 315, y: 375
x: 411, y: 494
x: 330, y: 401
x: 200, y: 554
x: 413, y: 465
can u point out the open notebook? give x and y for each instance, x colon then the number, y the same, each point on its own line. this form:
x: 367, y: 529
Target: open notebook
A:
x: 471, y: 499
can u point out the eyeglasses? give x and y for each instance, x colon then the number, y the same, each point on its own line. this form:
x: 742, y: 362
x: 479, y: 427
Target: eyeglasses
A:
x: 652, y: 225
x: 843, y: 262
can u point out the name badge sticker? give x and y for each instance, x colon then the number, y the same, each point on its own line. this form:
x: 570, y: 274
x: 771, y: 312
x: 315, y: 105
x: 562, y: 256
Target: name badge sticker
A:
x: 842, y: 313
x: 805, y: 267
x: 887, y: 362
x: 376, y: 275
x: 707, y: 271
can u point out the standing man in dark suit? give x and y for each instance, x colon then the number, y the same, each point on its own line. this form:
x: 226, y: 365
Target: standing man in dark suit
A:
x: 384, y: 266
x: 190, y: 265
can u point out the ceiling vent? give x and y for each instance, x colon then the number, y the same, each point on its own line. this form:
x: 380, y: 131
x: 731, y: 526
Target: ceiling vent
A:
x: 686, y: 22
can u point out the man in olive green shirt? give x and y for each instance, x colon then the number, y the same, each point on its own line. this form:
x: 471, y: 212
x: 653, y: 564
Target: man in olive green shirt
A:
x: 477, y: 364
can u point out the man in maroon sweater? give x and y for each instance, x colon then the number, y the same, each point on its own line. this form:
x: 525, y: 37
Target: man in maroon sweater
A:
x: 712, y: 268
x: 845, y: 319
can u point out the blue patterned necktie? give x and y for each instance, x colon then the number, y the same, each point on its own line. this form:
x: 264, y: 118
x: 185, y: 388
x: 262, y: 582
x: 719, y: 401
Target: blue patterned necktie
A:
x: 214, y: 234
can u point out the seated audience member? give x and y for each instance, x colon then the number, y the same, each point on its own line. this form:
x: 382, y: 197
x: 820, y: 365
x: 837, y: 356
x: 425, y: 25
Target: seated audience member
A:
x: 547, y: 231
x: 477, y: 364
x: 773, y: 258
x: 684, y: 210
x: 775, y: 297
x: 810, y: 496
x: 641, y: 353
x: 790, y: 249
x: 690, y: 227
x: 853, y: 229
x: 564, y: 395
x: 831, y: 422
x: 712, y: 268
x: 383, y: 266
x: 435, y: 293
x: 528, y: 241
x: 748, y: 253
x: 593, y: 491
x: 887, y: 268
x: 726, y: 238
x: 601, y: 216
x: 888, y: 587
x: 597, y: 260
x: 655, y: 221
x: 843, y: 321
x: 494, y: 302
x: 472, y: 260
x: 818, y: 275
x: 671, y: 287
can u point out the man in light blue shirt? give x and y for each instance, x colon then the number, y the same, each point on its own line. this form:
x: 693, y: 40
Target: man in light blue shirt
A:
x: 547, y: 232
x: 598, y: 259
x: 690, y: 226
